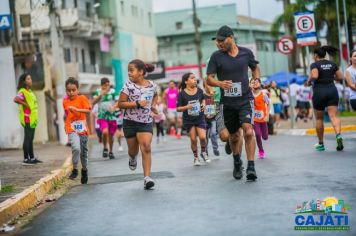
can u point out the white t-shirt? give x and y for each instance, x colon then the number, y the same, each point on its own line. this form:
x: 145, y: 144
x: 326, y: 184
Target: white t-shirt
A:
x: 352, y: 72
x: 95, y: 111
x: 304, y: 94
x: 293, y: 89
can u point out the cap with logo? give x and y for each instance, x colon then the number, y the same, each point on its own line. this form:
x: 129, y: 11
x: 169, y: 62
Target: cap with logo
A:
x: 223, y: 32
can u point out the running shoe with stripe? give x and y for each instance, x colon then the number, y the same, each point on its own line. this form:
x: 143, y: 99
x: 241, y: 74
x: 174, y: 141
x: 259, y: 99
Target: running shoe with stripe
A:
x: 205, y: 157
x: 319, y: 147
x: 196, y: 161
x: 148, y: 182
x: 339, y: 142
x: 132, y: 163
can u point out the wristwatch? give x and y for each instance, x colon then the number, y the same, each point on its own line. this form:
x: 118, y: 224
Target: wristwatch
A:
x: 138, y: 104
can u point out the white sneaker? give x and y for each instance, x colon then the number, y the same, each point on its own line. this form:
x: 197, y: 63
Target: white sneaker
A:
x: 196, y: 161
x: 133, y: 163
x: 148, y: 182
x: 121, y: 149
x: 205, y: 157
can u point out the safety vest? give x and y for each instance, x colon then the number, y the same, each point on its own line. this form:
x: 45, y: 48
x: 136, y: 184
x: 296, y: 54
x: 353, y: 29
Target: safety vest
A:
x: 32, y: 102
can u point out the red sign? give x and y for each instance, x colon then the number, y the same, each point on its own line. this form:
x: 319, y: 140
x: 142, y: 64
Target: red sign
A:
x: 285, y: 45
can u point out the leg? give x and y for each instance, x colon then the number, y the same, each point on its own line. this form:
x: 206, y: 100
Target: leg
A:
x: 235, y: 141
x: 213, y: 136
x: 249, y: 141
x: 319, y: 115
x: 76, y: 148
x: 202, y: 138
x: 264, y: 130
x: 26, y: 141
x: 258, y: 134
x: 132, y: 145
x: 30, y: 143
x: 144, y: 140
x: 84, y: 151
x: 335, y: 121
x: 193, y: 141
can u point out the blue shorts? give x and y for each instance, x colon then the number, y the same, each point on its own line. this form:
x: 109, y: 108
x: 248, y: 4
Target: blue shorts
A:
x: 277, y: 108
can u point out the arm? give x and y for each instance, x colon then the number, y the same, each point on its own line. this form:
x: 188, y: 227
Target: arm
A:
x: 124, y: 104
x: 101, y: 94
x: 21, y: 102
x: 211, y: 81
x: 314, y: 74
x: 338, y: 75
x: 154, y: 104
x: 349, y: 81
x: 256, y: 72
x: 184, y: 108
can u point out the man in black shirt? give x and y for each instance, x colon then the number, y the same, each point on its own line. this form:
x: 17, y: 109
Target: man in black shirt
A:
x: 231, y: 64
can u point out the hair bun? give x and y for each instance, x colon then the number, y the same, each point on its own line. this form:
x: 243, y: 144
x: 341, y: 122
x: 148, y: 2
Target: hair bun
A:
x: 149, y: 67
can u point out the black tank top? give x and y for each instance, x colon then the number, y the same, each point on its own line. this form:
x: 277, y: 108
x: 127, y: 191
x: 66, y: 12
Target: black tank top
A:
x: 327, y: 70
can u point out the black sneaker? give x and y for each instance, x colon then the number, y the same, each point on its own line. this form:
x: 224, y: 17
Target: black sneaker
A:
x: 228, y: 148
x: 84, y: 179
x: 105, y: 153
x: 237, y: 173
x: 36, y: 161
x: 216, y: 152
x: 74, y: 174
x: 111, y: 155
x: 251, y: 173
x: 340, y: 144
x: 27, y: 162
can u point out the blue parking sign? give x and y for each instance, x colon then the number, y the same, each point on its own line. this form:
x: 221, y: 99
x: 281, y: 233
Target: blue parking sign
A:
x: 5, y: 22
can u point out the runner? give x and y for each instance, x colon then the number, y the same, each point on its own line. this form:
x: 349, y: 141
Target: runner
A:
x: 261, y: 115
x: 160, y: 119
x: 191, y: 102
x: 106, y: 98
x: 351, y: 79
x: 276, y: 100
x: 231, y: 64
x: 323, y: 73
x: 210, y: 113
x: 28, y: 116
x: 75, y: 108
x: 304, y: 94
x: 119, y: 131
x: 138, y: 98
x: 174, y: 117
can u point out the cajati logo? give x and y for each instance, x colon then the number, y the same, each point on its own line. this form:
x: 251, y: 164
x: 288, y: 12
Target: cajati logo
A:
x: 328, y: 214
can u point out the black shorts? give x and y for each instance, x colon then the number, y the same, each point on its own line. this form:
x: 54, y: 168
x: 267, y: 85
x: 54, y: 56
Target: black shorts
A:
x: 353, y: 104
x: 303, y: 105
x: 235, y: 117
x: 131, y: 128
x: 325, y: 96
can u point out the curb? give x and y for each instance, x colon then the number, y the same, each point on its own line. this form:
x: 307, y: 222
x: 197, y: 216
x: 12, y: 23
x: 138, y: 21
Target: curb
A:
x: 327, y: 130
x: 27, y: 199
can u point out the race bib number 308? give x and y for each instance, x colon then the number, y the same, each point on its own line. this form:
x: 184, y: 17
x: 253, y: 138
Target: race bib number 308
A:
x: 234, y: 91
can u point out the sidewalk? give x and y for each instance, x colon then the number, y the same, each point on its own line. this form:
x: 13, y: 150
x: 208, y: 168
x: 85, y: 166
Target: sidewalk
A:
x: 16, y: 177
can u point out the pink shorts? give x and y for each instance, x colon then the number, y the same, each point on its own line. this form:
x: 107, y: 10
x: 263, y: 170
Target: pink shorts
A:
x: 108, y: 124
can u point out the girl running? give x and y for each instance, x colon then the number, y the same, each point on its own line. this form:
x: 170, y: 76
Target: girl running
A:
x: 262, y: 108
x: 160, y: 118
x: 138, y: 98
x: 351, y: 79
x: 325, y: 95
x: 191, y: 102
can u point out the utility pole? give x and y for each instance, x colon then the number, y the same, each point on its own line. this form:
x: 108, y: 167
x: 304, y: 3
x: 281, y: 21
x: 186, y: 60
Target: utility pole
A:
x: 197, y: 39
x: 57, y: 52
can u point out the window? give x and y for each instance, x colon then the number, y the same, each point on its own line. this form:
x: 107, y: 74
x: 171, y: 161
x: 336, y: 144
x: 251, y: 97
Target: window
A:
x: 88, y: 8
x: 150, y: 19
x: 75, y: 3
x: 66, y: 52
x: 63, y: 4
x: 122, y: 6
x: 134, y: 11
x: 76, y: 55
x: 179, y: 25
x: 186, y: 49
x: 92, y: 58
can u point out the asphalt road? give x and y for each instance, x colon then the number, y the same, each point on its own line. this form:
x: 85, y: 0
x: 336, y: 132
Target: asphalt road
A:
x: 205, y: 200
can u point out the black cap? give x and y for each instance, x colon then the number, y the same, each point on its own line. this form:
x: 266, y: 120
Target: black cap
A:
x: 222, y: 33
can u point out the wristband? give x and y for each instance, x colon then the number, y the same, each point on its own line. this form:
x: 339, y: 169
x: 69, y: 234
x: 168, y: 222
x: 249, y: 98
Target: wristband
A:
x: 138, y: 104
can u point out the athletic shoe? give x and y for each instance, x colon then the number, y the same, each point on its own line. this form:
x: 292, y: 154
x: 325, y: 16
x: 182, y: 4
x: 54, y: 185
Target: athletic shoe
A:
x: 251, y: 173
x: 148, y: 182
x: 261, y: 154
x: 228, y: 148
x: 84, y: 179
x: 36, y: 161
x: 74, y: 174
x: 339, y: 141
x: 205, y: 157
x: 28, y: 162
x: 172, y: 131
x: 216, y: 152
x: 237, y: 173
x: 132, y: 163
x: 111, y: 155
x: 121, y: 149
x: 196, y: 161
x: 105, y: 153
x: 179, y: 136
x: 319, y: 147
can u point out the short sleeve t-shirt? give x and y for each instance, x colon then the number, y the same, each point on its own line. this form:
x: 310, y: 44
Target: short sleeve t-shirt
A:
x: 76, y: 121
x: 327, y: 70
x: 235, y: 69
x: 171, y: 97
x: 106, y: 103
x: 304, y: 94
x: 139, y: 93
x: 192, y: 116
x: 352, y: 72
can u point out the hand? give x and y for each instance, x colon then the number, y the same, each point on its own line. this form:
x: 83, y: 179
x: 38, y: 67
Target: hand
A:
x: 189, y: 106
x: 226, y: 84
x: 202, y: 107
x: 71, y: 108
x: 104, y: 91
x: 112, y: 108
x: 154, y: 110
x: 266, y: 119
x: 143, y: 103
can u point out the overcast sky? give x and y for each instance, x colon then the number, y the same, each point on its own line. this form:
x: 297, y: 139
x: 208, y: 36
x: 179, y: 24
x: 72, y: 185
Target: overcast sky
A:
x: 262, y: 9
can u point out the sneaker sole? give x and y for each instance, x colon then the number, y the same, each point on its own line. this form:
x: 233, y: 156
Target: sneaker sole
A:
x: 149, y: 185
x: 132, y: 168
x: 251, y: 177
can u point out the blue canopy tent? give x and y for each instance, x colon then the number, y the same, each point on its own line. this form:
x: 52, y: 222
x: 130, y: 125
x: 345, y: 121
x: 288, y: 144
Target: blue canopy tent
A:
x: 281, y: 78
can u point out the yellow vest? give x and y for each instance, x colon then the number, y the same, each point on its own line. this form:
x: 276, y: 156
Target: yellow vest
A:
x: 32, y: 102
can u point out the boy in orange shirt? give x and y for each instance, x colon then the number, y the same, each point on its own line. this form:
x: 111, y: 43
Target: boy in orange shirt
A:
x: 75, y: 107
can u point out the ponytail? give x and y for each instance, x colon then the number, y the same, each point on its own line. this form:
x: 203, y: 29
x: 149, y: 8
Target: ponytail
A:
x: 321, y: 51
x: 140, y: 65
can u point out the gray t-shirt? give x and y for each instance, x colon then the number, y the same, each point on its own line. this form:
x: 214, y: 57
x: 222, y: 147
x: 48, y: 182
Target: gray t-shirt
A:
x: 235, y: 69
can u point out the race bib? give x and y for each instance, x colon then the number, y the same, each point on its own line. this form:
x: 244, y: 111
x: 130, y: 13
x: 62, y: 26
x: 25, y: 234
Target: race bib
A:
x: 195, y: 110
x: 234, y: 91
x: 259, y: 115
x: 147, y: 94
x: 79, y: 126
x: 210, y: 110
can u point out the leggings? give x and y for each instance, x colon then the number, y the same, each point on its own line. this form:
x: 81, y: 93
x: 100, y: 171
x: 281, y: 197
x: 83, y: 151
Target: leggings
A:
x: 28, y: 142
x: 261, y: 132
x: 160, y: 129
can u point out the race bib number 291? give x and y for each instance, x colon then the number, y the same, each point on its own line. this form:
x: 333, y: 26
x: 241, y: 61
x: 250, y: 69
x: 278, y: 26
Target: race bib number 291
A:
x: 234, y: 91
